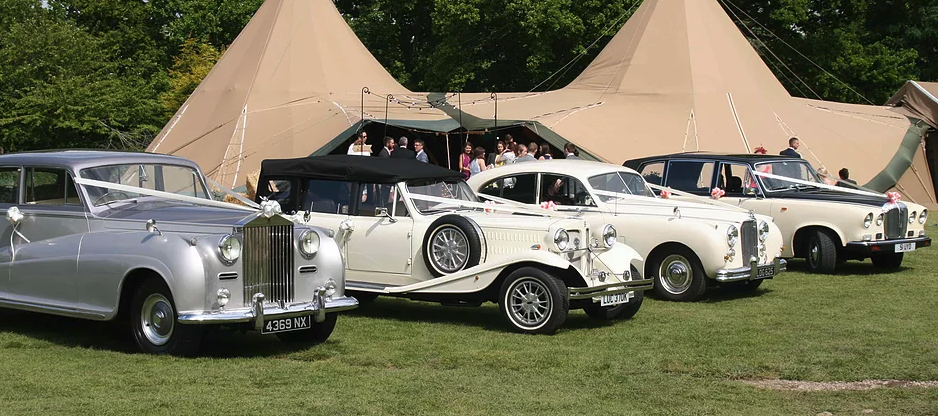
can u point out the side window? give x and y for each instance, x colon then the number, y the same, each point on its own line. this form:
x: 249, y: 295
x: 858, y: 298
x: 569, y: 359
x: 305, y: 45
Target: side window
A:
x: 280, y: 190
x: 565, y: 190
x: 330, y: 197
x: 690, y: 176
x: 50, y: 187
x: 518, y: 188
x: 653, y: 173
x: 9, y: 185
x: 738, y: 180
x: 376, y: 196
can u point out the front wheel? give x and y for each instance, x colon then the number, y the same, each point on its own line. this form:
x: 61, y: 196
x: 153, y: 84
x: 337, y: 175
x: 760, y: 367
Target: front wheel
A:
x: 679, y: 276
x: 153, y: 322
x: 533, y: 302
x: 621, y: 311
x: 822, y: 252
x: 317, y: 334
x: 887, y: 260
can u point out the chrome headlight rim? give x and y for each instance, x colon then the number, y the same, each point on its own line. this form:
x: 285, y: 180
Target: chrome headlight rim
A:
x: 923, y: 216
x: 229, y: 249
x: 732, y: 236
x: 868, y: 220
x: 879, y: 219
x: 561, y: 239
x: 763, y: 231
x: 609, y: 235
x: 913, y: 216
x: 308, y: 243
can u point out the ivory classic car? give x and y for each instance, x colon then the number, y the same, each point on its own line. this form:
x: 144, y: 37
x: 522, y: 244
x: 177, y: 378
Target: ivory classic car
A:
x: 136, y: 237
x: 414, y: 230
x: 824, y: 224
x: 685, y: 245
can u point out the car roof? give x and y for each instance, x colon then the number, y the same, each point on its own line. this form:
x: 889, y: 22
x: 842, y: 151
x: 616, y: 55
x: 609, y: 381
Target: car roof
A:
x: 369, y: 169
x: 729, y: 157
x: 578, y: 168
x: 81, y: 159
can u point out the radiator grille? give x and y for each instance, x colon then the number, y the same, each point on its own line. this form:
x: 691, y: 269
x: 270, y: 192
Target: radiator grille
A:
x: 749, y: 238
x: 268, y: 263
x: 896, y: 222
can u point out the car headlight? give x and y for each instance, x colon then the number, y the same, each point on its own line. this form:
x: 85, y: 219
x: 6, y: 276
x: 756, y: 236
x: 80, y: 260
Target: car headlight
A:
x: 868, y: 220
x: 609, y: 235
x: 879, y: 220
x: 309, y: 243
x: 732, y: 235
x: 912, y: 216
x: 561, y: 239
x: 229, y: 249
x: 763, y: 231
x: 923, y: 216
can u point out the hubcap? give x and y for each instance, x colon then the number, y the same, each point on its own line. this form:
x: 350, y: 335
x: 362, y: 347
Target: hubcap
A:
x: 529, y: 302
x: 676, y: 274
x: 450, y: 250
x: 157, y: 319
x: 815, y: 253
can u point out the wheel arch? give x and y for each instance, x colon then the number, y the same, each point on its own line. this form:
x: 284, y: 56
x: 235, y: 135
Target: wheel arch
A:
x: 800, y: 238
x: 570, y: 277
x: 663, y: 248
x: 132, y: 279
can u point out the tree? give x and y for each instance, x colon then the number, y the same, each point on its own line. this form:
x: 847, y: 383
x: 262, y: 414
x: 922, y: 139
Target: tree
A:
x: 191, y: 66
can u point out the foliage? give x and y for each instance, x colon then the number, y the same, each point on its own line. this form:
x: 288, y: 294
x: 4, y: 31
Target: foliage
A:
x: 193, y: 63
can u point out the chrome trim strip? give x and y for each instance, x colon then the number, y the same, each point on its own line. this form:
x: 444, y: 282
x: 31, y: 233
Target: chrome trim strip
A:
x: 750, y: 272
x: 888, y: 242
x: 259, y: 311
x: 227, y: 275
x: 308, y: 269
x: 610, y: 289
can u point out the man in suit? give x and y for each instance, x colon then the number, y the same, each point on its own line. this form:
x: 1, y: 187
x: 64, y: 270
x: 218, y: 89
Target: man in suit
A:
x: 388, y: 147
x: 845, y: 180
x: 570, y: 150
x: 402, y: 152
x: 421, y: 155
x: 791, y: 151
x: 526, y: 155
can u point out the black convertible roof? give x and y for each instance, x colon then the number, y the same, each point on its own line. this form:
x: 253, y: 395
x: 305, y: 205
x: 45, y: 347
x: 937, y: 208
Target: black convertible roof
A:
x: 367, y: 169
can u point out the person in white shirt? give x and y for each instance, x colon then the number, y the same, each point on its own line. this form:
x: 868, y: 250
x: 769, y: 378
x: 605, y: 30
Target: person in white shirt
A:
x: 358, y: 147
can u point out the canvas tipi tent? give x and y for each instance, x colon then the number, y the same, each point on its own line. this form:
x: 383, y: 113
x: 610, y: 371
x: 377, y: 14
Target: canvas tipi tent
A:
x: 291, y: 82
x: 680, y: 76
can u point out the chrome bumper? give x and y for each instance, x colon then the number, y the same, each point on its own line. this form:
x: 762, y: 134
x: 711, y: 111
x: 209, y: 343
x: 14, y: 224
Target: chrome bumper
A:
x: 318, y: 307
x: 750, y: 272
x: 610, y: 289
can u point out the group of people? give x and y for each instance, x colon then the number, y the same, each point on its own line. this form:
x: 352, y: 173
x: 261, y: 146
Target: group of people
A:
x: 792, y: 151
x: 390, y: 149
x: 474, y: 160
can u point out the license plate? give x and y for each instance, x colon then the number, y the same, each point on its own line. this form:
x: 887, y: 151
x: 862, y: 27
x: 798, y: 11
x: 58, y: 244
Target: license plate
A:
x: 765, y: 272
x: 616, y: 299
x: 287, y: 324
x: 903, y: 247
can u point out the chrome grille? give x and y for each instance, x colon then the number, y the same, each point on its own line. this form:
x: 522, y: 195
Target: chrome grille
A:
x: 896, y: 222
x: 268, y: 263
x: 749, y: 238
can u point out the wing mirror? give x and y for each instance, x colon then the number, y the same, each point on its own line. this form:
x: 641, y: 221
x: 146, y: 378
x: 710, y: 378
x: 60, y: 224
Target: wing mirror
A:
x: 151, y: 227
x: 383, y: 212
x: 749, y: 191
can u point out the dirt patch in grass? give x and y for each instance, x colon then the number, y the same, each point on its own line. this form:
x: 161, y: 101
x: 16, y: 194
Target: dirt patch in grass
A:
x: 795, y: 385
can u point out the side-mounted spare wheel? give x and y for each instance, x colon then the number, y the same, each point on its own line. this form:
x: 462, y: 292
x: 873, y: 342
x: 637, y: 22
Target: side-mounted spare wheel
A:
x: 153, y: 322
x: 533, y: 302
x: 621, y: 311
x: 453, y: 243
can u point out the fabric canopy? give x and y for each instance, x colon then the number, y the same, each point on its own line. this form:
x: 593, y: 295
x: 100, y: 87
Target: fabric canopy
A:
x: 918, y: 99
x: 357, y: 168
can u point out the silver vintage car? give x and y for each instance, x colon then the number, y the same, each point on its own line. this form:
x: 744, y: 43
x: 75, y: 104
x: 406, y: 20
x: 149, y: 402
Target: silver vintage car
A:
x: 137, y: 237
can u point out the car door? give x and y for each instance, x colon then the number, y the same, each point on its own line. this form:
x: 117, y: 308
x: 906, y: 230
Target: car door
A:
x: 381, y: 245
x: 9, y: 197
x: 691, y: 176
x: 45, y: 245
x: 741, y: 187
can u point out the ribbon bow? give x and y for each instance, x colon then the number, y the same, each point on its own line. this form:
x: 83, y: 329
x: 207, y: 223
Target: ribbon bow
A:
x: 665, y: 194
x: 893, y: 196
x: 490, y: 210
x: 270, y: 207
x: 717, y: 193
x: 549, y: 205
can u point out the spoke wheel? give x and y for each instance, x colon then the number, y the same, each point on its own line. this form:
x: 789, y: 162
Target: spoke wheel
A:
x: 450, y: 249
x: 452, y: 243
x: 533, y: 301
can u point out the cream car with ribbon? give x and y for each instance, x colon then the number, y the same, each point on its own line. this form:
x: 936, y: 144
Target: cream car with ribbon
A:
x: 686, y: 246
x: 415, y: 230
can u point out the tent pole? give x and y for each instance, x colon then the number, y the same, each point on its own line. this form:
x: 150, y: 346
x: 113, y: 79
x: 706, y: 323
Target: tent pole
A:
x: 465, y: 133
x: 390, y: 97
x: 449, y: 157
x: 495, y: 129
x: 365, y: 90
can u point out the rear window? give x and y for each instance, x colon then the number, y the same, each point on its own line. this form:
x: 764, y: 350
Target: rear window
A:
x: 690, y: 175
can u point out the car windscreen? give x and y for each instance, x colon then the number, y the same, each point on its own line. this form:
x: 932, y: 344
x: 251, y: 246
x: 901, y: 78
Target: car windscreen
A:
x: 452, y: 190
x: 620, y: 183
x: 795, y: 169
x: 179, y: 180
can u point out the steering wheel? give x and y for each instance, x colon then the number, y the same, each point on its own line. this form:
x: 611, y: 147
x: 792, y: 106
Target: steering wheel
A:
x: 109, y: 194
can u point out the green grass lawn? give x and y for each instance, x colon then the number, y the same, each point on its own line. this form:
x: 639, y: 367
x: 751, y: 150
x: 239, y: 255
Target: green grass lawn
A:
x: 403, y: 357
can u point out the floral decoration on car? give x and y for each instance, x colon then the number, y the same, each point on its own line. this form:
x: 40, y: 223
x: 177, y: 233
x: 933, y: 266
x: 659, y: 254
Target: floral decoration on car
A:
x: 717, y: 193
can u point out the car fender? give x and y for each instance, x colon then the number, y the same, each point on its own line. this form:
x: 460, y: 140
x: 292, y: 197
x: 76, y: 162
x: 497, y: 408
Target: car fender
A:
x: 617, y: 259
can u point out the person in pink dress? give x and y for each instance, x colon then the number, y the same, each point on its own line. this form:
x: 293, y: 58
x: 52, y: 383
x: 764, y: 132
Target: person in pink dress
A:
x: 464, y: 160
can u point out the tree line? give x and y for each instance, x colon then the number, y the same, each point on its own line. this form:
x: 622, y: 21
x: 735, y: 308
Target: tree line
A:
x: 110, y: 73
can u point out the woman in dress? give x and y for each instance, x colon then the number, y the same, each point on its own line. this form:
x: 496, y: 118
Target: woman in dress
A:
x: 357, y: 148
x: 478, y: 162
x: 545, y: 152
x: 464, y: 160
x: 495, y: 159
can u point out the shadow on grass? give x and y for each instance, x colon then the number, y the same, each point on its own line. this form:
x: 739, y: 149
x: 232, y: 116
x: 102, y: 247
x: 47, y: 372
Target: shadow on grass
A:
x: 487, y: 317
x: 722, y: 294
x: 114, y: 336
x: 848, y: 268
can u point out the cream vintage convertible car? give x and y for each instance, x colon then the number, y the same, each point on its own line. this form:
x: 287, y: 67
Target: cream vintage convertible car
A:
x: 415, y: 230
x: 685, y: 245
x: 824, y: 224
